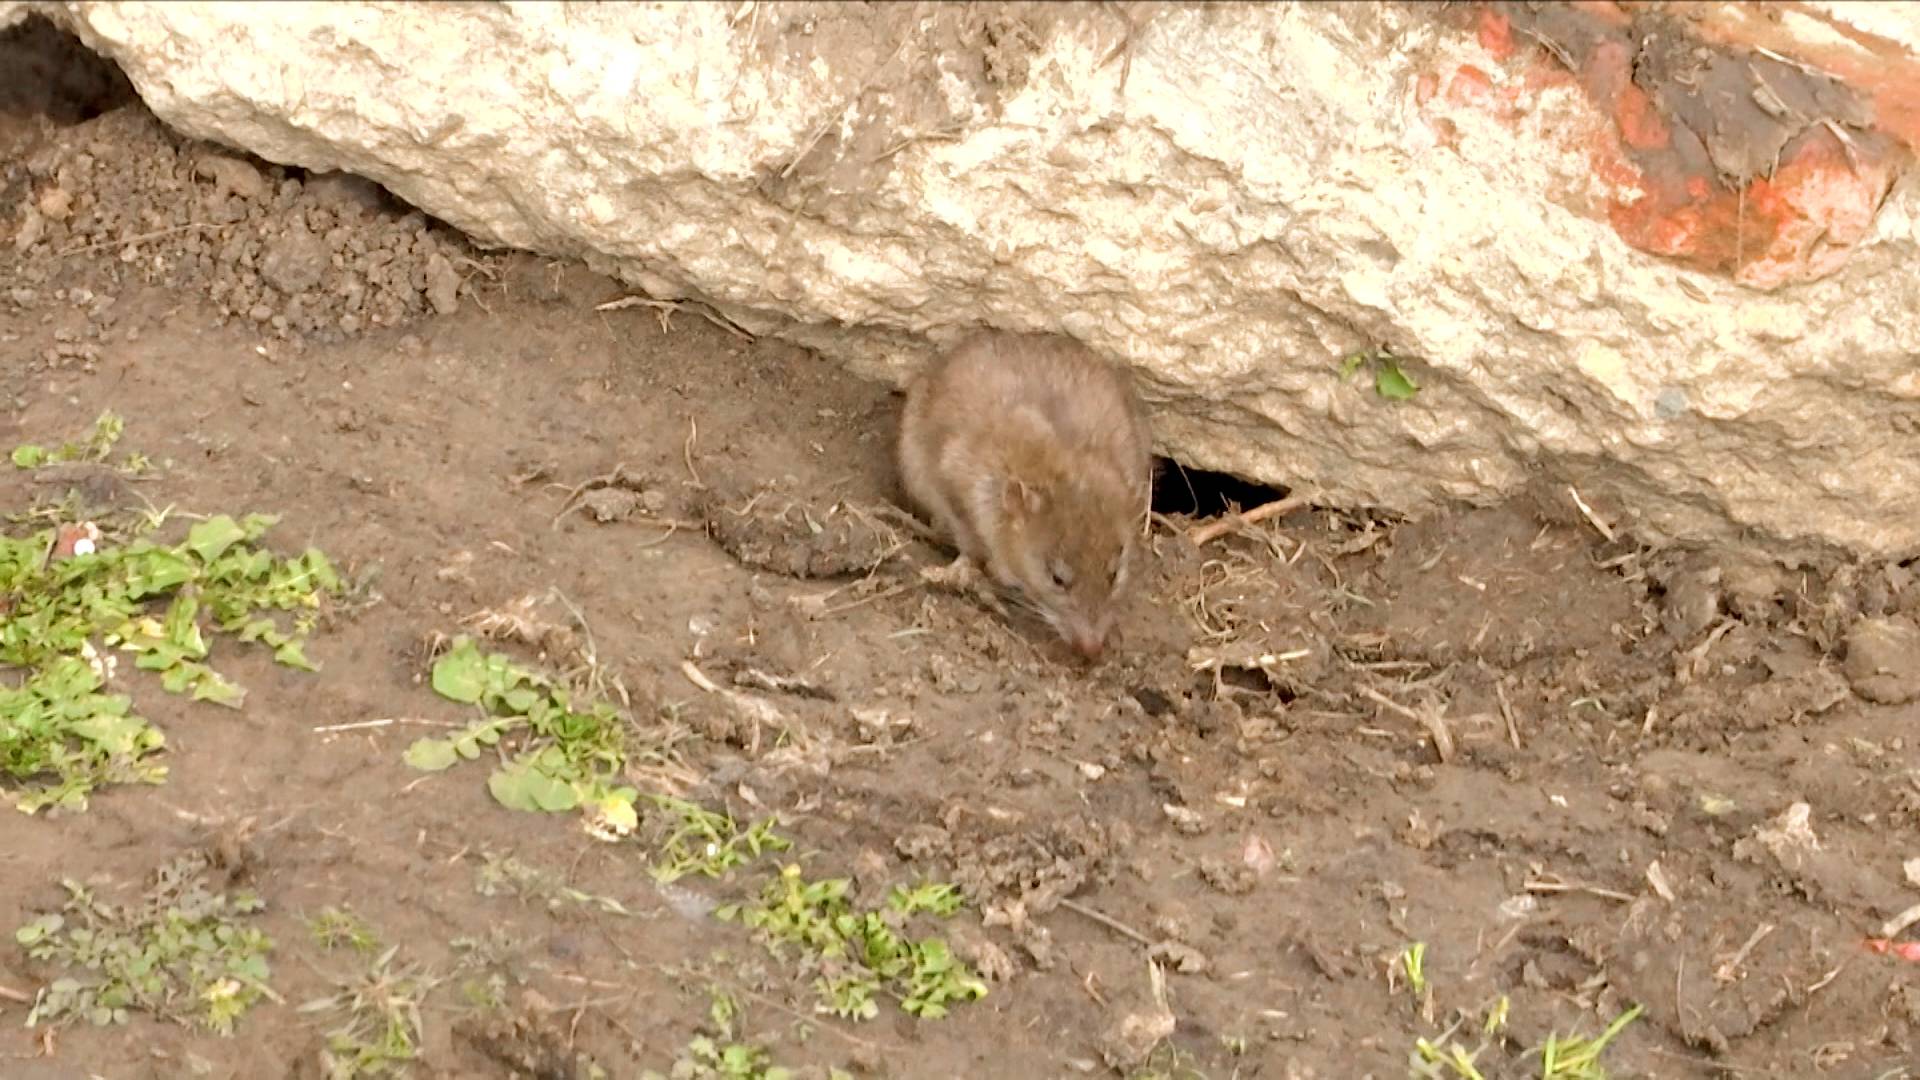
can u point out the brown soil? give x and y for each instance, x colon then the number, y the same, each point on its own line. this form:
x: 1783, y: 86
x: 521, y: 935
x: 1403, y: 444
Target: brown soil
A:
x: 1253, y: 786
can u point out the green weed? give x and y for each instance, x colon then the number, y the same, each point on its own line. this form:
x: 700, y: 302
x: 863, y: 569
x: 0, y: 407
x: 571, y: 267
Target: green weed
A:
x: 1576, y: 1058
x: 563, y: 753
x: 506, y: 875
x: 935, y: 897
x: 98, y: 446
x: 709, y: 843
x: 1389, y: 381
x: 61, y: 734
x: 336, y: 927
x: 567, y: 756
x: 378, y: 1008
x: 860, y: 955
x: 719, y: 1053
x: 1413, y: 963
x: 184, y: 953
x: 1572, y: 1058
x: 483, y: 965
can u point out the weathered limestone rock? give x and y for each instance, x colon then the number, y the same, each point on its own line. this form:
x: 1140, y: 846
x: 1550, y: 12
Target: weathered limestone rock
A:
x: 1665, y: 255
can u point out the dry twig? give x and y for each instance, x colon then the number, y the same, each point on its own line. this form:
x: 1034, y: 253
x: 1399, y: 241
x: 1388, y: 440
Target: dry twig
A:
x: 686, y: 451
x: 1599, y: 524
x: 1729, y: 968
x: 1506, y: 710
x: 363, y: 725
x: 1108, y: 921
x: 1428, y: 718
x: 663, y: 309
x: 141, y: 239
x: 1229, y: 523
x: 1554, y: 884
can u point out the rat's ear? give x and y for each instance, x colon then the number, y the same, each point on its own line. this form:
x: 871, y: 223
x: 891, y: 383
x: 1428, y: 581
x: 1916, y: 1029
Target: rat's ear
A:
x: 1022, y: 499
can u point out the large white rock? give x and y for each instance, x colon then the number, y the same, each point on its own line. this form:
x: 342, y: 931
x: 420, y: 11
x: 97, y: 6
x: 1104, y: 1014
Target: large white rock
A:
x: 1232, y: 198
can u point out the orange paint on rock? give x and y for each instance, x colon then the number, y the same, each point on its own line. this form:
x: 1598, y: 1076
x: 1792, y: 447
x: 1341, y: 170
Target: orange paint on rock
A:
x: 1822, y: 203
x: 1656, y: 226
x: 1425, y: 87
x: 1797, y: 227
x: 1641, y: 125
x: 1608, y: 71
x: 1896, y: 105
x: 1545, y: 73
x: 1496, y: 34
x: 1615, y: 170
x: 1469, y: 86
x: 1607, y: 156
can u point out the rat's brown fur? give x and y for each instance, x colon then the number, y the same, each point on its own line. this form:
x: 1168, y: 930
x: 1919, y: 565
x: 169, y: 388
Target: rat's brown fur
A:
x: 1032, y: 454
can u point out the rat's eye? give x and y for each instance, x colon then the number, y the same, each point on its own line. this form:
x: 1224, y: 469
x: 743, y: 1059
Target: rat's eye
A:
x: 1062, y: 575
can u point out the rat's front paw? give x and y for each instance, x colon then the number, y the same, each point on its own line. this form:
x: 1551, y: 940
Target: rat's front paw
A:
x: 963, y: 576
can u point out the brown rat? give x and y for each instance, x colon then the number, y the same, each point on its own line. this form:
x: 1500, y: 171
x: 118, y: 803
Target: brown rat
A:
x: 1032, y: 455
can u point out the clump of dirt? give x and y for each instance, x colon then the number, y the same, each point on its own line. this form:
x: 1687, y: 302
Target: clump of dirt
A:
x: 301, y: 256
x: 795, y: 537
x: 527, y: 1044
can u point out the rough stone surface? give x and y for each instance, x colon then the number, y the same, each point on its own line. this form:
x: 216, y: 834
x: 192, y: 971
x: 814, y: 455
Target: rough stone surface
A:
x: 1705, y: 328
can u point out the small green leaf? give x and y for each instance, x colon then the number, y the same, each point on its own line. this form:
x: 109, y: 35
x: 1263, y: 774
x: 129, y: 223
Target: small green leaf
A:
x: 212, y: 687
x: 461, y: 675
x: 321, y: 570
x: 177, y: 678
x: 119, y: 736
x: 254, y: 526
x: 153, y: 570
x: 29, y: 456
x: 508, y: 787
x: 106, y: 432
x: 182, y: 629
x: 1351, y: 364
x: 38, y: 929
x: 1392, y: 383
x: 431, y: 755
x: 156, y: 655
x: 521, y: 785
x: 468, y: 743
x: 211, y: 538
x: 290, y: 655
x: 553, y: 795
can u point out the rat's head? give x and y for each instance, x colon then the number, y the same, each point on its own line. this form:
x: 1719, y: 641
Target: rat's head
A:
x: 1066, y: 546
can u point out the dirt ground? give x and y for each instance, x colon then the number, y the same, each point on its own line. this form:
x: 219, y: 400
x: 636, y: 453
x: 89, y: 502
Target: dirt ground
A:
x: 1566, y: 767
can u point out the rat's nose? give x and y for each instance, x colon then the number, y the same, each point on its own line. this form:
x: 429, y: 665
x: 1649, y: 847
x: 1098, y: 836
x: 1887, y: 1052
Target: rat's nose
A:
x: 1089, y: 644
